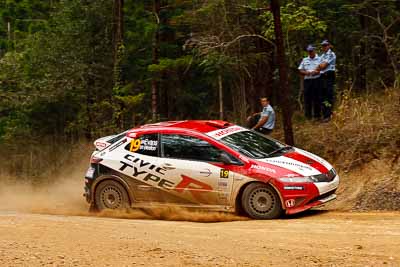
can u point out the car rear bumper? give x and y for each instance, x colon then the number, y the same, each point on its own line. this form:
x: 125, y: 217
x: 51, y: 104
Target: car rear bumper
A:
x: 86, y: 194
x: 89, y: 177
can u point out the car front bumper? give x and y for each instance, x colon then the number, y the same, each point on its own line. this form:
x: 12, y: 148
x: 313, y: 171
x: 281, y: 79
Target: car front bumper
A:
x: 316, y: 195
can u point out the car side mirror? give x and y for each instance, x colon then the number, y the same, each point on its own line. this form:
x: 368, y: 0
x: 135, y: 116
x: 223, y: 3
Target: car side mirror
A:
x: 224, y: 158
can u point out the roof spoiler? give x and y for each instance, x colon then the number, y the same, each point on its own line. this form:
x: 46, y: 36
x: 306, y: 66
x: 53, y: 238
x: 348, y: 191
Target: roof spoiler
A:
x: 218, y: 124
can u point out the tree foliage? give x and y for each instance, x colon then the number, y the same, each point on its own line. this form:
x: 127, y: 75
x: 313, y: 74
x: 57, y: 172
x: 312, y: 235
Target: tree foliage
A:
x: 59, y: 77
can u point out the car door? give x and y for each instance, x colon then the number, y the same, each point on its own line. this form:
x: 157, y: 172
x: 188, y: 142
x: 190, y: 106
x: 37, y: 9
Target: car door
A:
x: 193, y: 165
x: 138, y: 161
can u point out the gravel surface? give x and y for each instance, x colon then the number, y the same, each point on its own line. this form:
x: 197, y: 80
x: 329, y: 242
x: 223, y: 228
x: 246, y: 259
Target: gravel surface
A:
x: 315, y: 238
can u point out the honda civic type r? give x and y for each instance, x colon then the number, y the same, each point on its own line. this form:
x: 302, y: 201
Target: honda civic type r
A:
x: 213, y: 165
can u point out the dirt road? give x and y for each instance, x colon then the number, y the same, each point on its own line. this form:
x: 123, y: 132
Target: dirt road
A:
x: 49, y: 225
x: 317, y: 238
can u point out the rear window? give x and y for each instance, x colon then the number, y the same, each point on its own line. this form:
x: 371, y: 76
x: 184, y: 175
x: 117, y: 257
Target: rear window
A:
x: 116, y: 138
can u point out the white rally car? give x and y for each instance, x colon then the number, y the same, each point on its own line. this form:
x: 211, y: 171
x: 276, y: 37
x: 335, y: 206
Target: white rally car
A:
x: 212, y: 165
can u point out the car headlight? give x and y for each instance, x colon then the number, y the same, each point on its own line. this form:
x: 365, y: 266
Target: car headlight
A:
x: 305, y: 179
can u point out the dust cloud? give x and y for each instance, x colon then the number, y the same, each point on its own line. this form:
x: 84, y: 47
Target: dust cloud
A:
x: 173, y: 213
x: 63, y: 196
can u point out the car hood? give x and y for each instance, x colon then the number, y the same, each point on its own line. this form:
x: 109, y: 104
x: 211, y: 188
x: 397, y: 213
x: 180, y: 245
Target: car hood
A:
x: 298, y: 162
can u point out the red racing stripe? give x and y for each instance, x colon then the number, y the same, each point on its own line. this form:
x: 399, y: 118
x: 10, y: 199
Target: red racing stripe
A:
x: 306, y: 160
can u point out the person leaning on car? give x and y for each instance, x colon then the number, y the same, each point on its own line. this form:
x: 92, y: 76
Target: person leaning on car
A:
x: 327, y: 67
x: 266, y: 121
x: 309, y: 68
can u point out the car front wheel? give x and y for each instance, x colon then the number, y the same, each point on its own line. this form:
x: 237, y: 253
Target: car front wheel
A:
x: 261, y: 201
x: 111, y: 195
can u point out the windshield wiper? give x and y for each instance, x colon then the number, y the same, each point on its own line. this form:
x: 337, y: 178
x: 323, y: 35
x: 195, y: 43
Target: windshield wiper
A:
x: 279, y: 150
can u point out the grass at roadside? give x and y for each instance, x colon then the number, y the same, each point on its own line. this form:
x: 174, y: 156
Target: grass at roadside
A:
x: 362, y: 129
x: 362, y: 141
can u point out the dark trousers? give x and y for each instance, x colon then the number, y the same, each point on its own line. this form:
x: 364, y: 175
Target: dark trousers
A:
x: 327, y: 93
x: 264, y: 131
x: 312, y: 98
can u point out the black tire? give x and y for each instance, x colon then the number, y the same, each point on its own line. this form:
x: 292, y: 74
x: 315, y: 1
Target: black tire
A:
x: 111, y: 195
x: 261, y: 201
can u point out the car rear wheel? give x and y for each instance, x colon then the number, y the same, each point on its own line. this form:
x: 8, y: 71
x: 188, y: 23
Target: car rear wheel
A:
x: 261, y: 201
x: 111, y: 195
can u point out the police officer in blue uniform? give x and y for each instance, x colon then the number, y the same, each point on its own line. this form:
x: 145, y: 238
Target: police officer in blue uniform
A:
x: 312, y: 91
x: 327, y: 69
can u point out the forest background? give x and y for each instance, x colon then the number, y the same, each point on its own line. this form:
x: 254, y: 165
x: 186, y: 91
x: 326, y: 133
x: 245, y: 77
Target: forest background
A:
x: 72, y: 71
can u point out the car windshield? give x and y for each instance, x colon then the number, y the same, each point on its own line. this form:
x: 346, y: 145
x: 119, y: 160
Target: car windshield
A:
x: 254, y: 145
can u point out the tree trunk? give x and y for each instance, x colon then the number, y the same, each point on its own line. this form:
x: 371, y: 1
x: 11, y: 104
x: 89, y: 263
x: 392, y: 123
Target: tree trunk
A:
x: 9, y: 31
x: 263, y: 77
x: 361, y: 73
x: 118, y: 40
x: 155, y: 56
x: 283, y: 77
x: 221, y: 97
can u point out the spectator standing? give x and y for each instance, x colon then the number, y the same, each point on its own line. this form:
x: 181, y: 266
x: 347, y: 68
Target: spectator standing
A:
x: 327, y: 68
x: 266, y: 121
x: 309, y: 68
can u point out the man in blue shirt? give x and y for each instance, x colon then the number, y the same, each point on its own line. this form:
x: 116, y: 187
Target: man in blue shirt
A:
x: 312, y: 91
x: 327, y: 68
x: 266, y: 123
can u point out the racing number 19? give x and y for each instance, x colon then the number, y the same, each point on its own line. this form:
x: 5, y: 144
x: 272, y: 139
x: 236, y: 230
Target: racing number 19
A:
x: 224, y: 173
x: 135, y: 145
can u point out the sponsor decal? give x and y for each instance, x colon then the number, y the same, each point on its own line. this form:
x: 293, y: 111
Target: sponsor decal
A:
x: 302, y: 158
x: 141, y: 165
x: 101, y: 144
x: 293, y: 187
x: 155, y: 175
x: 300, y: 166
x: 196, y: 187
x: 206, y: 172
x: 223, y: 173
x: 135, y: 145
x: 222, y: 184
x: 224, y: 132
x: 149, y: 145
x: 118, y: 144
x: 145, y: 144
x: 290, y: 203
x: 262, y: 168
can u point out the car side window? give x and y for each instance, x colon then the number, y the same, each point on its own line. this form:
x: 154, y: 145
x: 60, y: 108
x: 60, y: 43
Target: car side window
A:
x: 188, y: 147
x: 146, y: 144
